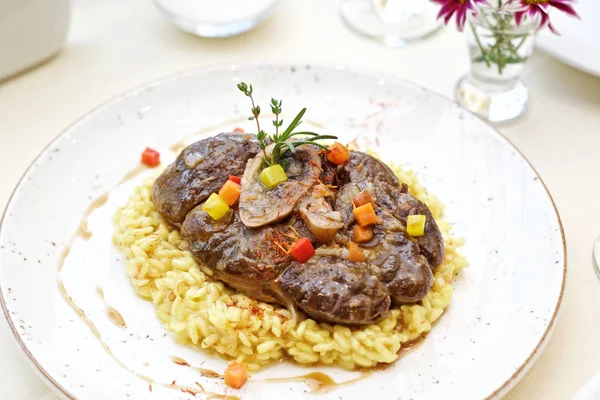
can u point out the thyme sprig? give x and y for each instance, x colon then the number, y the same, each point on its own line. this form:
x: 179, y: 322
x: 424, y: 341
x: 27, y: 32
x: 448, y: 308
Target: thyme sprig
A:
x: 282, y: 141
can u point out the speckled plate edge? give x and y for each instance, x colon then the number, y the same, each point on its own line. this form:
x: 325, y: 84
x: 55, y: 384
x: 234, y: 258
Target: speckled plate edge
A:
x: 497, y: 394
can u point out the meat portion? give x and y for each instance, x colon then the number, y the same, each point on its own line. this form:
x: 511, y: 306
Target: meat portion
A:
x: 389, y: 194
x: 248, y: 247
x: 432, y: 242
x: 200, y: 170
x: 397, y: 262
x: 327, y: 288
x: 337, y: 291
x: 364, y: 167
x: 247, y: 259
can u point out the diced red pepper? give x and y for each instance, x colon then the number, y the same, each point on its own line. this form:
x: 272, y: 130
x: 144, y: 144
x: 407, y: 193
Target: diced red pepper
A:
x: 235, y: 179
x: 238, y: 130
x: 150, y: 157
x: 302, y: 250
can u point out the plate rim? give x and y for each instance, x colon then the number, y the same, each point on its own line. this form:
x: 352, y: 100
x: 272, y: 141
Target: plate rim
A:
x: 500, y: 391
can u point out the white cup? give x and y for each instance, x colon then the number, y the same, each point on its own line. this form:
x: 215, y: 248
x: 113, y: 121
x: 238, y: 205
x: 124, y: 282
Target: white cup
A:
x: 31, y: 31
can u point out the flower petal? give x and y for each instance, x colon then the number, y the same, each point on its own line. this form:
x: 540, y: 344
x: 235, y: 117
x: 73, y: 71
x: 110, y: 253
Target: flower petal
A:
x: 566, y: 8
x: 519, y: 17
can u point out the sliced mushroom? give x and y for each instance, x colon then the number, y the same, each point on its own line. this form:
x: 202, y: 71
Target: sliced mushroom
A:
x: 260, y: 205
x: 317, y: 213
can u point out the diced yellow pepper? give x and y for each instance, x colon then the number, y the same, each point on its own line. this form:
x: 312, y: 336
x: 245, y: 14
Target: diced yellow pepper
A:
x: 273, y: 176
x: 215, y: 206
x: 415, y: 225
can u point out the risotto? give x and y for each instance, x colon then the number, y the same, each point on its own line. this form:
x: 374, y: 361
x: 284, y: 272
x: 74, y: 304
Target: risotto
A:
x: 204, y: 312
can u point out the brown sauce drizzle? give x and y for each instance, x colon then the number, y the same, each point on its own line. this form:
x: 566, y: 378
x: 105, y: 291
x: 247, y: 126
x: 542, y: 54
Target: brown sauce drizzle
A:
x: 203, y: 371
x: 132, y: 174
x: 83, y: 231
x: 80, y: 312
x: 113, y: 315
x: 177, y: 147
x: 319, y: 382
x: 63, y: 257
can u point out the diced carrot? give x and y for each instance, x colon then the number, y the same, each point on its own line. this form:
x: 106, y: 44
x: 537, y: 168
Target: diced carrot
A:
x: 338, y: 153
x: 356, y: 254
x: 238, y: 130
x: 236, y: 179
x: 365, y: 215
x: 230, y: 192
x: 150, y: 157
x: 302, y: 250
x: 235, y: 375
x: 363, y: 197
x: 362, y: 234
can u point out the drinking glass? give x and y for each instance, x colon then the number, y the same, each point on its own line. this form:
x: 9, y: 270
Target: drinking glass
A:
x: 392, y: 22
x: 216, y: 18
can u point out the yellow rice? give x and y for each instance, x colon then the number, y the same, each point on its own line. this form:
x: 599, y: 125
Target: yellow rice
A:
x: 200, y: 310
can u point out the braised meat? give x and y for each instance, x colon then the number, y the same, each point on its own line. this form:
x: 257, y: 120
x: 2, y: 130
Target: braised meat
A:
x: 249, y: 247
x: 337, y: 291
x: 247, y: 259
x: 364, y: 172
x: 199, y: 171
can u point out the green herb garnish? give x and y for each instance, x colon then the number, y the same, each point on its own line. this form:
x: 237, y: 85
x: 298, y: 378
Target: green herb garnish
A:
x: 282, y: 141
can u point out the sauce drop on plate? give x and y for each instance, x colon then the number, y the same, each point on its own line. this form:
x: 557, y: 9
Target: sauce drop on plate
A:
x: 319, y: 382
x: 203, y: 371
x: 113, y: 315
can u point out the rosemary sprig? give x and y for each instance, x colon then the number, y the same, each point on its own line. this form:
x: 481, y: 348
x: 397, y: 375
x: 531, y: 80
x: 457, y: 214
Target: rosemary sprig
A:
x: 282, y: 141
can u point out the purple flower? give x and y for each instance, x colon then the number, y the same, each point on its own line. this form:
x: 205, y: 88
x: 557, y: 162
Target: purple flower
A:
x: 458, y: 7
x: 533, y: 8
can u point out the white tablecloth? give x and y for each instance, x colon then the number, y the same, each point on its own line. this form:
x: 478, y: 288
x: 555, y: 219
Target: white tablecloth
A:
x: 116, y: 45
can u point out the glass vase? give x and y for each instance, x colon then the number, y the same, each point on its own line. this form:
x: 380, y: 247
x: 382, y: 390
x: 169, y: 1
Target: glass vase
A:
x: 498, y: 52
x: 391, y: 22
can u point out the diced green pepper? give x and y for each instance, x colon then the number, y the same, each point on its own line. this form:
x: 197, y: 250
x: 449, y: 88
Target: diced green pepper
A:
x: 215, y: 206
x: 273, y: 176
x: 415, y: 225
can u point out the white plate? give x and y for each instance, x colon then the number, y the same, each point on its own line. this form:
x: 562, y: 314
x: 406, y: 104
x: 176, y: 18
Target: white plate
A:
x: 504, y: 306
x: 579, y: 42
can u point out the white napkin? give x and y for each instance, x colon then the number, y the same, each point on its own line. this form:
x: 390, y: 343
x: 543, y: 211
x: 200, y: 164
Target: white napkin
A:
x: 591, y: 390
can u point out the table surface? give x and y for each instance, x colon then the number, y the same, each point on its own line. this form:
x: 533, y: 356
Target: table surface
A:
x: 116, y: 45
